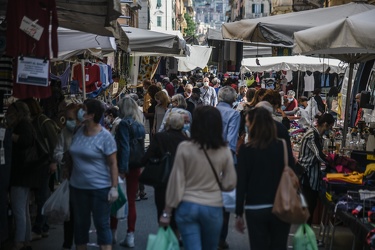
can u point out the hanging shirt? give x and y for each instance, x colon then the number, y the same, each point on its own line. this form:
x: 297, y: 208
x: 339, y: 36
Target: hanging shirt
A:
x: 309, y: 82
x: 324, y: 80
x: 92, y: 77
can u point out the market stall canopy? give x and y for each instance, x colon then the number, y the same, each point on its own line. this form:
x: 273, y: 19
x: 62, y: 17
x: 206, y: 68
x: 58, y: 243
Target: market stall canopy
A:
x: 278, y: 30
x: 76, y: 40
x: 94, y: 16
x: 198, y: 58
x: 350, y: 39
x: 150, y: 42
x: 295, y: 63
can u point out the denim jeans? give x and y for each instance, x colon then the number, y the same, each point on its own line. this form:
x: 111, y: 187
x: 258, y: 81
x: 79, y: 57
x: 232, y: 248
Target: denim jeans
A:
x: 85, y: 202
x: 20, y: 208
x: 199, y: 225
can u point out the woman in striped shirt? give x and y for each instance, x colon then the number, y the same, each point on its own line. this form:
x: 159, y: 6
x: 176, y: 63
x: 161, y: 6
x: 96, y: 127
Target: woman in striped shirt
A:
x: 310, y: 158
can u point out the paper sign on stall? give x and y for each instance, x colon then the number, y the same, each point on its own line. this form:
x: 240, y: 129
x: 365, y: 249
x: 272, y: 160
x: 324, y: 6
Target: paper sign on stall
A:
x: 31, y: 28
x: 33, y: 71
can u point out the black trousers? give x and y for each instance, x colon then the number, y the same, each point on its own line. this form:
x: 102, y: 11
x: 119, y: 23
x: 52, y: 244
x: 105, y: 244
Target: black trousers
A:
x: 266, y: 231
x: 160, y: 204
x: 311, y: 197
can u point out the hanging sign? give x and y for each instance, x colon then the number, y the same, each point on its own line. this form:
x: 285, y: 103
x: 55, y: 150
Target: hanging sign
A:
x: 31, y: 28
x: 32, y: 71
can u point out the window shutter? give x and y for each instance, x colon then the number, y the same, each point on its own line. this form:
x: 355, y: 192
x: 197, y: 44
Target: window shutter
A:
x: 262, y: 8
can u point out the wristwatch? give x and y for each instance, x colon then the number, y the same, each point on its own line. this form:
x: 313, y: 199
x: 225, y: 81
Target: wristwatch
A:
x: 166, y: 215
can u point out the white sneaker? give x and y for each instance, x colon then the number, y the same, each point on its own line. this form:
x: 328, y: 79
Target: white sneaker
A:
x: 128, y: 241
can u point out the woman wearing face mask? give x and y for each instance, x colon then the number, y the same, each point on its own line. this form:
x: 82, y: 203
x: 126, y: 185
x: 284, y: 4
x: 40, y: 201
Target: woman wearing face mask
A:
x: 93, y: 182
x: 311, y: 157
x: 292, y: 102
x: 62, y: 146
x: 111, y: 119
x: 178, y: 105
x: 161, y: 107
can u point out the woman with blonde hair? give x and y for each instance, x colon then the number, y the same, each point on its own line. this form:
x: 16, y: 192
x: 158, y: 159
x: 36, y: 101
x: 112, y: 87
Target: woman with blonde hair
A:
x: 130, y: 128
x: 162, y: 100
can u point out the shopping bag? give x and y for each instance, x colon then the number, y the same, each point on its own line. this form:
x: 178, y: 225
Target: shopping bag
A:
x: 304, y: 238
x: 120, y: 202
x: 57, y: 205
x: 290, y: 205
x: 163, y: 240
x: 229, y: 201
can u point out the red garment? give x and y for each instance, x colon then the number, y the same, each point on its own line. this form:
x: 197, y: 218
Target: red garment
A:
x: 359, y: 116
x: 291, y: 105
x: 92, y: 76
x: 18, y: 42
x: 170, y: 89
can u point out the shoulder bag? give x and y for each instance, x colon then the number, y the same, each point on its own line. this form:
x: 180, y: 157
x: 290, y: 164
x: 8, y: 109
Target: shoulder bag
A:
x: 290, y: 205
x: 229, y: 197
x: 157, y: 170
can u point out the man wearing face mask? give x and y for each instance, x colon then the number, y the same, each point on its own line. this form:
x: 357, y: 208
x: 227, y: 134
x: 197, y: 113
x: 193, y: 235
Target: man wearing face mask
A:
x: 231, y: 119
x: 208, y: 93
x: 292, y: 102
x: 310, y: 158
x: 111, y: 119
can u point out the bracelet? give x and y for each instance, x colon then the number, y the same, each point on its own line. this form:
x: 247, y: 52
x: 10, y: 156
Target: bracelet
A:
x: 166, y: 215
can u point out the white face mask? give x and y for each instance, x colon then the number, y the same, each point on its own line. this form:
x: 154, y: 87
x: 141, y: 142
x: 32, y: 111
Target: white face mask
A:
x: 205, y: 84
x: 290, y: 99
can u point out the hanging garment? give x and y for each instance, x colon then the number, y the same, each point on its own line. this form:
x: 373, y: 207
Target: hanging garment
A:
x: 92, y: 77
x: 63, y: 78
x: 18, y: 42
x: 309, y: 82
x: 324, y: 80
x: 6, y: 82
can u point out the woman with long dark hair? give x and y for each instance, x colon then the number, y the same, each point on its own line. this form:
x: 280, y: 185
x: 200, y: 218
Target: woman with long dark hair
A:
x: 193, y: 188
x: 258, y: 178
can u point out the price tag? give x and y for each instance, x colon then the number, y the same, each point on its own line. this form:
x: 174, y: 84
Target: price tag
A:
x: 2, y: 134
x: 2, y: 156
x: 87, y: 77
x: 31, y: 28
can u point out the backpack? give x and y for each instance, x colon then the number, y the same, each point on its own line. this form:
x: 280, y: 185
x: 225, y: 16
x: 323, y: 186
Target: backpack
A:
x: 136, y: 145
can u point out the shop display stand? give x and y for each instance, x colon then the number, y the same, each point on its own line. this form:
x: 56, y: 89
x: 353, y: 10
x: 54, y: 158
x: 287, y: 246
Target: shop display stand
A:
x: 358, y: 223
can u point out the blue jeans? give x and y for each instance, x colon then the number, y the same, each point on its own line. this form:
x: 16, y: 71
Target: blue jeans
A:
x: 85, y: 202
x: 199, y: 225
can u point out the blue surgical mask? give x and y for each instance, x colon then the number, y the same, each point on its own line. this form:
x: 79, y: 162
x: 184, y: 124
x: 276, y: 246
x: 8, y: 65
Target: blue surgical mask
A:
x: 80, y: 115
x: 283, y: 107
x: 70, y: 125
x: 186, y: 127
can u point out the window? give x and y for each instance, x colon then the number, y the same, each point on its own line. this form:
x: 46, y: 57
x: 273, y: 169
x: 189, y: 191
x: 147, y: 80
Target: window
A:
x: 257, y: 8
x: 158, y: 22
x: 158, y: 4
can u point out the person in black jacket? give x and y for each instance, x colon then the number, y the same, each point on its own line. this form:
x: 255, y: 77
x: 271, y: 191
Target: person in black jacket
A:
x: 258, y: 178
x: 319, y: 100
x: 163, y: 142
x: 23, y: 176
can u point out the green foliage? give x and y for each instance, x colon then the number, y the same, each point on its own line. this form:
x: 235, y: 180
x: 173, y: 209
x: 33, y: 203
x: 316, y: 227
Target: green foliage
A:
x: 190, y: 30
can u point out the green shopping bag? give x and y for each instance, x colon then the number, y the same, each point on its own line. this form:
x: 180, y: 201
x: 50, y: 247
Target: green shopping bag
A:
x: 304, y: 238
x: 163, y: 240
x: 121, y: 200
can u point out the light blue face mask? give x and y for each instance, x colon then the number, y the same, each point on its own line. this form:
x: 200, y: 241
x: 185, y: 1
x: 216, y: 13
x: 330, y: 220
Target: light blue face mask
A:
x: 283, y: 107
x: 186, y: 127
x: 70, y: 125
x: 80, y: 115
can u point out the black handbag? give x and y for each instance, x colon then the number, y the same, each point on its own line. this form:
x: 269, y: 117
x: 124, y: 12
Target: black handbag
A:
x: 37, y: 155
x: 157, y: 170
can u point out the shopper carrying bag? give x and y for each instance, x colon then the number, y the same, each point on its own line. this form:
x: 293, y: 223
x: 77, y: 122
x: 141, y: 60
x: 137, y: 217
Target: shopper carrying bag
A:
x: 290, y: 205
